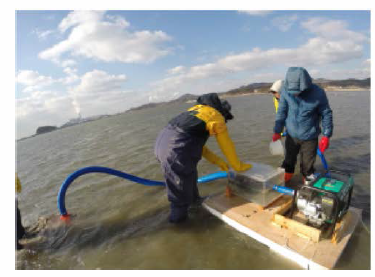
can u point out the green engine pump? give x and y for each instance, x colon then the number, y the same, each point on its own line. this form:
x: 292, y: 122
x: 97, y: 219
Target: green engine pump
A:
x: 326, y: 200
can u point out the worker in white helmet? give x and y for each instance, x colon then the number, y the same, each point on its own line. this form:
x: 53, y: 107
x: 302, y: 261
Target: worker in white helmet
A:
x: 275, y: 90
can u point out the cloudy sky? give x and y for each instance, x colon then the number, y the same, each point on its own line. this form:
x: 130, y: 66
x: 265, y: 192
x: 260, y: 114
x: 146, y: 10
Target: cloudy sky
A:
x: 104, y: 62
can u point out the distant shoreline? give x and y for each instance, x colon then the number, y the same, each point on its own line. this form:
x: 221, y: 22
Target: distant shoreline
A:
x: 327, y: 89
x: 346, y: 89
x: 252, y: 89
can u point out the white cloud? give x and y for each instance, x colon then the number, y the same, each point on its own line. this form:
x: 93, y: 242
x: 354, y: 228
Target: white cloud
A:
x: 256, y: 12
x: 284, y: 23
x: 367, y: 63
x: 67, y: 63
x: 33, y: 80
x: 97, y: 93
x: 100, y: 93
x: 42, y: 35
x: 323, y: 49
x: 71, y: 75
x: 176, y: 70
x: 106, y: 38
x: 42, y: 108
x: 360, y: 70
x: 332, y: 29
x: 80, y: 17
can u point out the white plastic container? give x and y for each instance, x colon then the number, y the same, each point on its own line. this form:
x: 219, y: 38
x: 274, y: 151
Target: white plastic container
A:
x: 255, y: 184
x: 277, y: 148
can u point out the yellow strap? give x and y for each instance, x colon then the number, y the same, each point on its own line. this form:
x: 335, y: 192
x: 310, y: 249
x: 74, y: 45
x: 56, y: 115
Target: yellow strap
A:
x: 276, y: 103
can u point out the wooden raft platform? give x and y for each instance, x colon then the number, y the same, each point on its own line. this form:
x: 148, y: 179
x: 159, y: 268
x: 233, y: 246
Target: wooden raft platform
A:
x: 260, y: 224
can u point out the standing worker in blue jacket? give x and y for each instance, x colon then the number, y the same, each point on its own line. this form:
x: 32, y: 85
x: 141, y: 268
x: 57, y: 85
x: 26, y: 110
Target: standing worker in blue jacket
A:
x: 303, y: 106
x: 181, y: 144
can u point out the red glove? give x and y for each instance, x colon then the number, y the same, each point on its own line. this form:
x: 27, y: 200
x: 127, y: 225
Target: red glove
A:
x: 276, y: 136
x: 323, y: 144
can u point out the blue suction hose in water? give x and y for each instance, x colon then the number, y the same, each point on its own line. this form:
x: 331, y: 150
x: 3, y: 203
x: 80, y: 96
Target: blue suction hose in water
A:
x: 100, y: 169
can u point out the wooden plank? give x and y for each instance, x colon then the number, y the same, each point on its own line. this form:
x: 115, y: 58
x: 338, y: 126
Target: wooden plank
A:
x: 341, y: 228
x: 281, y: 205
x: 276, y: 199
x: 328, y: 253
x: 297, y: 227
x: 245, y: 217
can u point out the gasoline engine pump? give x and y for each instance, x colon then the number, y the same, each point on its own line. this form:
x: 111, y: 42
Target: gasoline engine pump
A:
x: 326, y: 200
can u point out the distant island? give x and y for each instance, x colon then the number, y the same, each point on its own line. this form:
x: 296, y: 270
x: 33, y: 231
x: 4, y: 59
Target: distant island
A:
x: 75, y: 121
x: 45, y: 129
x: 254, y: 88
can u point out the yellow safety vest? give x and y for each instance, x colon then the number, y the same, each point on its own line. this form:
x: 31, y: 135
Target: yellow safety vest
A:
x: 276, y: 103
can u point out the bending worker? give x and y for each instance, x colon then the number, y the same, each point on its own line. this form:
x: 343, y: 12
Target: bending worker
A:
x: 302, y: 107
x: 181, y: 144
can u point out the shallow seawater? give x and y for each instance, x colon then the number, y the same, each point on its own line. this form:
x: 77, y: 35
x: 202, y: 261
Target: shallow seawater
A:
x: 122, y: 225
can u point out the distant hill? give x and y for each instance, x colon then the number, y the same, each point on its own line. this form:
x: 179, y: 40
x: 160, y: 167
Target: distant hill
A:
x: 354, y: 84
x: 264, y: 87
x: 348, y: 83
x: 80, y: 120
x: 252, y: 88
x: 182, y: 99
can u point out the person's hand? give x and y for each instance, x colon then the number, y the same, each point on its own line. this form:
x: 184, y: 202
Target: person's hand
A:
x: 323, y: 144
x: 223, y: 165
x: 243, y: 167
x: 276, y: 137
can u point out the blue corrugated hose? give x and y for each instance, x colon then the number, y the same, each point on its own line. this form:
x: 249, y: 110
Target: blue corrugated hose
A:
x: 101, y: 169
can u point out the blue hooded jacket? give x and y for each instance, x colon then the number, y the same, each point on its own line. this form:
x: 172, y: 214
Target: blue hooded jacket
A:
x: 302, y: 106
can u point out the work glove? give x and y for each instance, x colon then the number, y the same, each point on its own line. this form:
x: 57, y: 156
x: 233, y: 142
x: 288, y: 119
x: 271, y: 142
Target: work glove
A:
x: 276, y: 137
x: 228, y: 149
x: 212, y: 158
x: 223, y: 165
x: 323, y: 144
x: 243, y: 167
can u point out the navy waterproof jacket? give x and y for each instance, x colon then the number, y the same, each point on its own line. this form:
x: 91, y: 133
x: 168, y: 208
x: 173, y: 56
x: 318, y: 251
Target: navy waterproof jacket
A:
x: 303, y: 105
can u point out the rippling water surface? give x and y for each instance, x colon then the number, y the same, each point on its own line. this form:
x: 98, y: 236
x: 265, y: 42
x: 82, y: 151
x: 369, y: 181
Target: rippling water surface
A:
x: 122, y: 225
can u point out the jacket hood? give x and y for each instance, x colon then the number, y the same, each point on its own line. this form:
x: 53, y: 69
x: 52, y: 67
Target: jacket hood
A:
x: 297, y: 79
x: 213, y: 100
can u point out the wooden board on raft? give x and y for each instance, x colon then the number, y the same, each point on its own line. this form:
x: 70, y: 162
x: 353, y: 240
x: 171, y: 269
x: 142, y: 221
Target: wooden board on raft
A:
x: 309, y: 252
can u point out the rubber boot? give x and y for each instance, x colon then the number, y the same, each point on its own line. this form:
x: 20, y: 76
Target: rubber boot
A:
x: 178, y: 213
x: 197, y: 203
x: 288, y: 177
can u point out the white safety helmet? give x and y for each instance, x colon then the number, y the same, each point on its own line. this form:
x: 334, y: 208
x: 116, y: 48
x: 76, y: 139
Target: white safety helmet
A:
x: 276, y: 86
